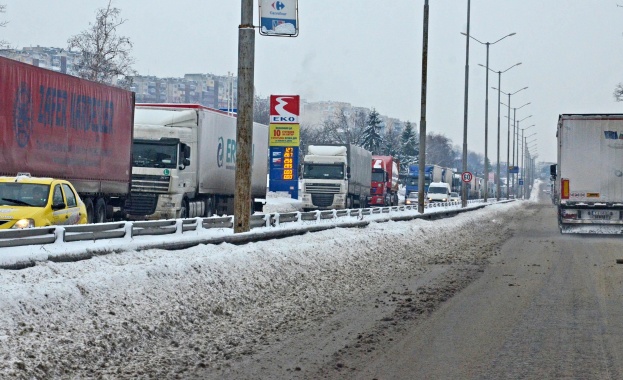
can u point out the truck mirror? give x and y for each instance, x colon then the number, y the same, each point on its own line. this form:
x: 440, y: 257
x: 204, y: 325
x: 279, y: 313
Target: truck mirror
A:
x: 552, y: 171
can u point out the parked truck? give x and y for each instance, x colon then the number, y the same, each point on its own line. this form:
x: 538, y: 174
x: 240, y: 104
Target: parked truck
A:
x: 59, y: 126
x: 432, y: 173
x: 384, y: 186
x: 589, y: 173
x: 336, y: 176
x: 184, y: 162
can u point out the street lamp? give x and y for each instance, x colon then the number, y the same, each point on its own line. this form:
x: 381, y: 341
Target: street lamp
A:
x: 497, y: 181
x: 523, y: 151
x: 508, y: 135
x: 464, y: 188
x: 523, y: 148
x: 516, y: 162
x: 515, y: 132
x: 487, y: 44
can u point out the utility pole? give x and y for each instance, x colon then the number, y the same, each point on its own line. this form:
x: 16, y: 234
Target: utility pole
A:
x: 244, y: 122
x: 422, y: 154
x: 463, y: 187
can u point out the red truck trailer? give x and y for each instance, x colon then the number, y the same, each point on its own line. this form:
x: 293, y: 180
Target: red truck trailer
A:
x: 384, y: 189
x: 60, y: 126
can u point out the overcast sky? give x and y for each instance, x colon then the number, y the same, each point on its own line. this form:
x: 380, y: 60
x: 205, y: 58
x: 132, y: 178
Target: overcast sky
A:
x: 368, y: 53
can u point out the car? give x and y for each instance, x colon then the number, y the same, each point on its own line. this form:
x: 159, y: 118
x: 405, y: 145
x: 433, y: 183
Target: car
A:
x: 438, y: 192
x: 411, y: 199
x: 455, y: 197
x: 27, y: 201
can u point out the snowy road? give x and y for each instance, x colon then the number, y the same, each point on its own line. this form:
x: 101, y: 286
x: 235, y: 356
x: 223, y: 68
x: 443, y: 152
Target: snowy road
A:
x: 210, y: 311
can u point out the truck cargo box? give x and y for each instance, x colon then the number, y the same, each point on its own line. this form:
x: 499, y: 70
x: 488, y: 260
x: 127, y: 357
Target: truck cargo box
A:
x: 60, y: 126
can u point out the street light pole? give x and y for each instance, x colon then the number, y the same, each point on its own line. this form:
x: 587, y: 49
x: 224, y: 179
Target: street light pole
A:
x: 516, y: 177
x: 509, y: 137
x: 497, y: 180
x: 523, y: 169
x: 516, y: 144
x: 463, y: 187
x: 487, y: 44
x: 422, y: 153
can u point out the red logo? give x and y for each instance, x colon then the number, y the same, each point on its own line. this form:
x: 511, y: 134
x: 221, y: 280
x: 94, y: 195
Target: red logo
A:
x: 285, y: 107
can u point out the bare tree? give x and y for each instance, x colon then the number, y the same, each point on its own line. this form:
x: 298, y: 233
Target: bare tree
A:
x: 3, y: 43
x: 439, y: 150
x: 105, y: 57
x: 261, y: 110
x: 618, y: 92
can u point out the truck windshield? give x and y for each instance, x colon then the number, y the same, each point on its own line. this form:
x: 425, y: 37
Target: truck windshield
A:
x: 152, y: 154
x: 323, y: 171
x: 378, y: 176
x: 23, y: 194
x: 437, y: 190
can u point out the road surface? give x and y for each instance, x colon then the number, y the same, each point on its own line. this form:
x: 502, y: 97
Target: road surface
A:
x: 540, y: 305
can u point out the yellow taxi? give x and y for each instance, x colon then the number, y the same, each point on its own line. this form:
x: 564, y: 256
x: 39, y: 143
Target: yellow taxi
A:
x: 27, y: 201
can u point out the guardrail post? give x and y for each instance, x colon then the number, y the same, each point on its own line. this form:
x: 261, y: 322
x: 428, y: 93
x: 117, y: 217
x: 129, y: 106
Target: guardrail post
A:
x: 276, y: 219
x: 128, y: 230
x: 179, y: 226
x: 317, y: 215
x: 199, y: 224
x: 334, y: 214
x: 298, y: 216
x: 59, y: 233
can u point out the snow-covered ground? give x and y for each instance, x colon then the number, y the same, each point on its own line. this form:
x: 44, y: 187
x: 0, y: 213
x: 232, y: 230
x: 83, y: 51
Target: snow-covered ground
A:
x: 168, y: 314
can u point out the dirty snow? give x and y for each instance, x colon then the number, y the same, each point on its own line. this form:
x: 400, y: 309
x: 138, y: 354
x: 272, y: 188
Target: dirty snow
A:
x: 188, y: 313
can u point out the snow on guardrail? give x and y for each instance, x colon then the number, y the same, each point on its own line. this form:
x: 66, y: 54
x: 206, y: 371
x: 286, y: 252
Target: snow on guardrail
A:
x: 23, y: 248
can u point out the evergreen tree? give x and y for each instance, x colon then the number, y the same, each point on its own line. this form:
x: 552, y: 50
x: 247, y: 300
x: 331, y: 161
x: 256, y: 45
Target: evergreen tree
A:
x: 371, y: 137
x: 410, y: 148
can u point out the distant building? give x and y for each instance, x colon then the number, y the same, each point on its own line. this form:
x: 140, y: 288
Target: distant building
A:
x: 210, y: 90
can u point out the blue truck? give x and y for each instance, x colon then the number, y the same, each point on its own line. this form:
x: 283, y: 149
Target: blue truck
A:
x: 432, y: 173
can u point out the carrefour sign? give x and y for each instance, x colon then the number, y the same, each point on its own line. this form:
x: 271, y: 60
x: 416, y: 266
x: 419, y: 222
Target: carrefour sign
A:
x: 279, y: 18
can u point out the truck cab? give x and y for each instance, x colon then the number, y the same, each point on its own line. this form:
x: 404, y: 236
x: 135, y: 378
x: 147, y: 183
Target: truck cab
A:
x: 162, y: 152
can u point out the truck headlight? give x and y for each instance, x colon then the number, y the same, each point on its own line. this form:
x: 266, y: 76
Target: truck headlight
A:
x: 24, y: 223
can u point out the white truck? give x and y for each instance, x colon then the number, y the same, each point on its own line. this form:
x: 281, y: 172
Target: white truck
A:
x: 184, y: 161
x: 336, y: 177
x: 589, y: 173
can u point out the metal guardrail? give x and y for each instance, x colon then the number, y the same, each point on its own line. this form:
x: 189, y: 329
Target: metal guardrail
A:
x: 115, y: 230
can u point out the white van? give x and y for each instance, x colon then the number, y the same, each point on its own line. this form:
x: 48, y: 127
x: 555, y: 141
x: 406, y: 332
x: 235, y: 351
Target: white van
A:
x: 438, y: 192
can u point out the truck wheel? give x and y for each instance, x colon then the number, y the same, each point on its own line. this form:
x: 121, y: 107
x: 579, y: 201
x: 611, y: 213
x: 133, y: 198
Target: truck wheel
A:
x: 100, y: 211
x: 88, y: 204
x: 184, y: 210
x: 349, y: 202
x: 208, y: 208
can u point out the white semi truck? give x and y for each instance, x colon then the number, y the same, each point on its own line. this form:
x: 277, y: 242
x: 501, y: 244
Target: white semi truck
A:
x: 336, y: 177
x: 589, y: 173
x: 184, y: 161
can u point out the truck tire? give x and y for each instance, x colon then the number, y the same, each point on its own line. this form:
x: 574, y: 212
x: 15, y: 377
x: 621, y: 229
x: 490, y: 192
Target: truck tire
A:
x: 184, y: 209
x: 349, y: 202
x: 100, y: 211
x: 88, y: 204
x: 209, y: 207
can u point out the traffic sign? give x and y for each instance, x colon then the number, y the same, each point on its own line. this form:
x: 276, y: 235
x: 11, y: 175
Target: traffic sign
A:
x: 466, y: 176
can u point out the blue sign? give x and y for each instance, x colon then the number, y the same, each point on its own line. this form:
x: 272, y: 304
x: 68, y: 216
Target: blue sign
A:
x: 513, y: 169
x: 520, y: 182
x: 279, y: 18
x: 283, y: 170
